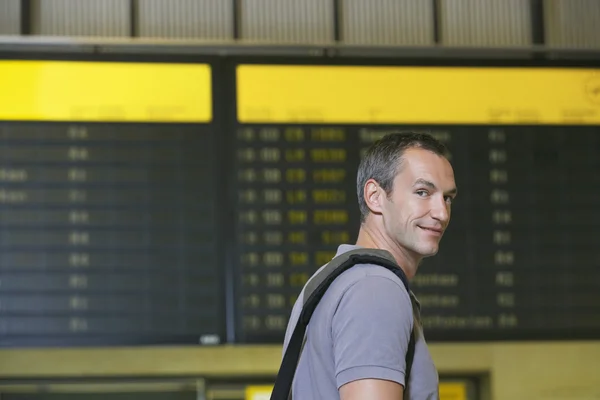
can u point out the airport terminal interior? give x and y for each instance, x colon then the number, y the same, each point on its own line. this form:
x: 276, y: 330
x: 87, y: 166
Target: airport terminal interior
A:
x: 172, y: 173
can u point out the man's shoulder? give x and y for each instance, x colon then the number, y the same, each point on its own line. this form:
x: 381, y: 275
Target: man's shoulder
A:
x: 371, y: 272
x: 357, y: 273
x: 362, y: 271
x: 357, y: 285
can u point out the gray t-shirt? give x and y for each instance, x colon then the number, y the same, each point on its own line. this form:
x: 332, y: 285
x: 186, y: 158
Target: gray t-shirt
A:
x: 361, y: 329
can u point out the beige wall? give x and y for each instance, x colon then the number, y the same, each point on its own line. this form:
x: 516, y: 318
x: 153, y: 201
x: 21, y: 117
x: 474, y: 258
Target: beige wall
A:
x: 528, y: 371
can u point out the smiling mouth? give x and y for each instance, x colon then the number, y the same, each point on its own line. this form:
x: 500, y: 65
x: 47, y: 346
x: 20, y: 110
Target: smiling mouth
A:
x: 432, y: 230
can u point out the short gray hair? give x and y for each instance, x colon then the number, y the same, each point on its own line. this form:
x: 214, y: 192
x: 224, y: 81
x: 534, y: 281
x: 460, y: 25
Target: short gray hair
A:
x: 383, y: 159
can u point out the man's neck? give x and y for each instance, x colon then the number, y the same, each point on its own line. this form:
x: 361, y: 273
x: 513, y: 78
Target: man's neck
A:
x: 374, y: 239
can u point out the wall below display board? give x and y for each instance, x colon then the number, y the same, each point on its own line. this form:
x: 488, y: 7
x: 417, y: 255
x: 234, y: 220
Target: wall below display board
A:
x: 518, y: 370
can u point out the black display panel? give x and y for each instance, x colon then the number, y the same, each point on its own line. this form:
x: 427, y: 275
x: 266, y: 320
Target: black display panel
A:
x: 109, y: 234
x: 518, y: 261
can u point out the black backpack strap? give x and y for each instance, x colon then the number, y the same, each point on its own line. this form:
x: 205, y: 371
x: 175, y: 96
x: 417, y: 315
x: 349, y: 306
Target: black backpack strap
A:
x: 313, y: 292
x: 410, y: 355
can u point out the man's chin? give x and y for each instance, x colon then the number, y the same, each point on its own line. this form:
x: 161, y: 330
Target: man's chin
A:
x: 429, y: 251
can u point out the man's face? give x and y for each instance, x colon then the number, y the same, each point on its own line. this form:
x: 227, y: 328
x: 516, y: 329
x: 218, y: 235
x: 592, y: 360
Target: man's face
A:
x: 418, y: 209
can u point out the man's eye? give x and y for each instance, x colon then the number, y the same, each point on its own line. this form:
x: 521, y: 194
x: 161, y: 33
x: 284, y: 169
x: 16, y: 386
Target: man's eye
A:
x: 449, y: 199
x: 422, y: 193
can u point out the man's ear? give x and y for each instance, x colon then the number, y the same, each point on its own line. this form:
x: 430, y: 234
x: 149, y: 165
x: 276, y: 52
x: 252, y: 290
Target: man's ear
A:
x: 374, y: 196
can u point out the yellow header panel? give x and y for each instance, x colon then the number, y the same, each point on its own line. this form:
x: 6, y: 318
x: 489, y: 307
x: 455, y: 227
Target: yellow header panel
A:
x: 105, y: 91
x: 452, y: 95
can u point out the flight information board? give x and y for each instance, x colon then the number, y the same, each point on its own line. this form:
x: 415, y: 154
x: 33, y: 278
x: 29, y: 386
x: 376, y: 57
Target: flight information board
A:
x: 108, y: 229
x: 132, y: 212
x: 519, y: 259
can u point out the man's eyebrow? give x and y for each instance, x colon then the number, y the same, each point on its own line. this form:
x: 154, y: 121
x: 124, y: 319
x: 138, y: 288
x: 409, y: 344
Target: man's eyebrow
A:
x: 423, y: 182
x: 431, y: 185
x: 452, y: 192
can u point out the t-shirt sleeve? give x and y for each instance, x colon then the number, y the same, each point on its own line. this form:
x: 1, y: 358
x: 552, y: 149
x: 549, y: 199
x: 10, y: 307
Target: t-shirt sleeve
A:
x: 371, y: 330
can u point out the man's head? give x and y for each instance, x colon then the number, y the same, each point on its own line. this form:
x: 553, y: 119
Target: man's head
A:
x: 405, y: 187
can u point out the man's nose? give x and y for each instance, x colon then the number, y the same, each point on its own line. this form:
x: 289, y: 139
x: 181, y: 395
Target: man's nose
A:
x: 441, y: 210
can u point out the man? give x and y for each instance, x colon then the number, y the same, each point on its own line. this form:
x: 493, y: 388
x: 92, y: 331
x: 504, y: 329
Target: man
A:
x: 359, y: 333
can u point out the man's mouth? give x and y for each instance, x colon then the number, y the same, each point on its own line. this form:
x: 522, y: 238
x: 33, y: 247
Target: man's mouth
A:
x: 433, y: 230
